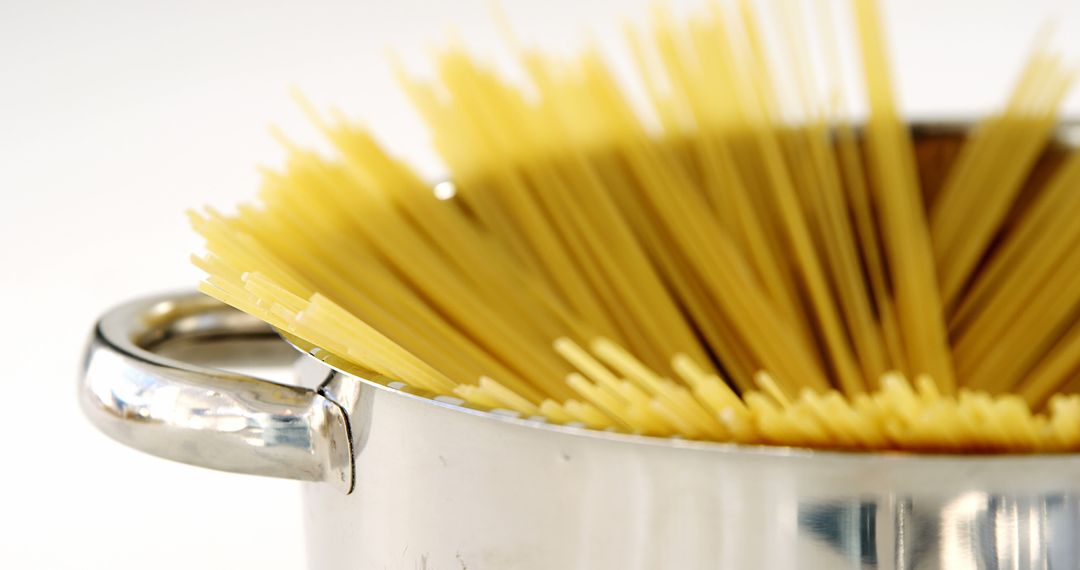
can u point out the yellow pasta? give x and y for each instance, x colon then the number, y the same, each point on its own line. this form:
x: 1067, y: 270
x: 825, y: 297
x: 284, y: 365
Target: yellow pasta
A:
x: 751, y: 267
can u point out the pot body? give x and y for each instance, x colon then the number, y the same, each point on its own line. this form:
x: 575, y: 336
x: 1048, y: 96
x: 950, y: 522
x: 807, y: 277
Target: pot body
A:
x: 440, y: 488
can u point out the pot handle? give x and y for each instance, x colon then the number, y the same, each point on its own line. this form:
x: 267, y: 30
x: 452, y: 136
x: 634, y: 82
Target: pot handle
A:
x: 205, y: 416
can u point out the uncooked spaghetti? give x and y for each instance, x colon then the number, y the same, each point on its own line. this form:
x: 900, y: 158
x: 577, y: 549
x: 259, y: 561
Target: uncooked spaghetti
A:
x: 737, y: 262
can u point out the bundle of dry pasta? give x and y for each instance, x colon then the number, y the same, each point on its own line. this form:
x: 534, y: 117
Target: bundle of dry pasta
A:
x: 735, y: 262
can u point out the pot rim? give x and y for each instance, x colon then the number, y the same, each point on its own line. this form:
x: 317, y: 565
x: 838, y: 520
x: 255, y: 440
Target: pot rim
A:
x: 509, y: 417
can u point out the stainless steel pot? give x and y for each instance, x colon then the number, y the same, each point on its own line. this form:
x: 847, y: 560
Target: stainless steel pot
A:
x: 400, y: 480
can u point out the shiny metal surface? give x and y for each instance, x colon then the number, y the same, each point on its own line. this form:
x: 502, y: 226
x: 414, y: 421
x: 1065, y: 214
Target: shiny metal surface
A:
x: 205, y: 416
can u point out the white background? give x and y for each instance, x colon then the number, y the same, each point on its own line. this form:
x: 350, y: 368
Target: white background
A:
x: 115, y: 117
